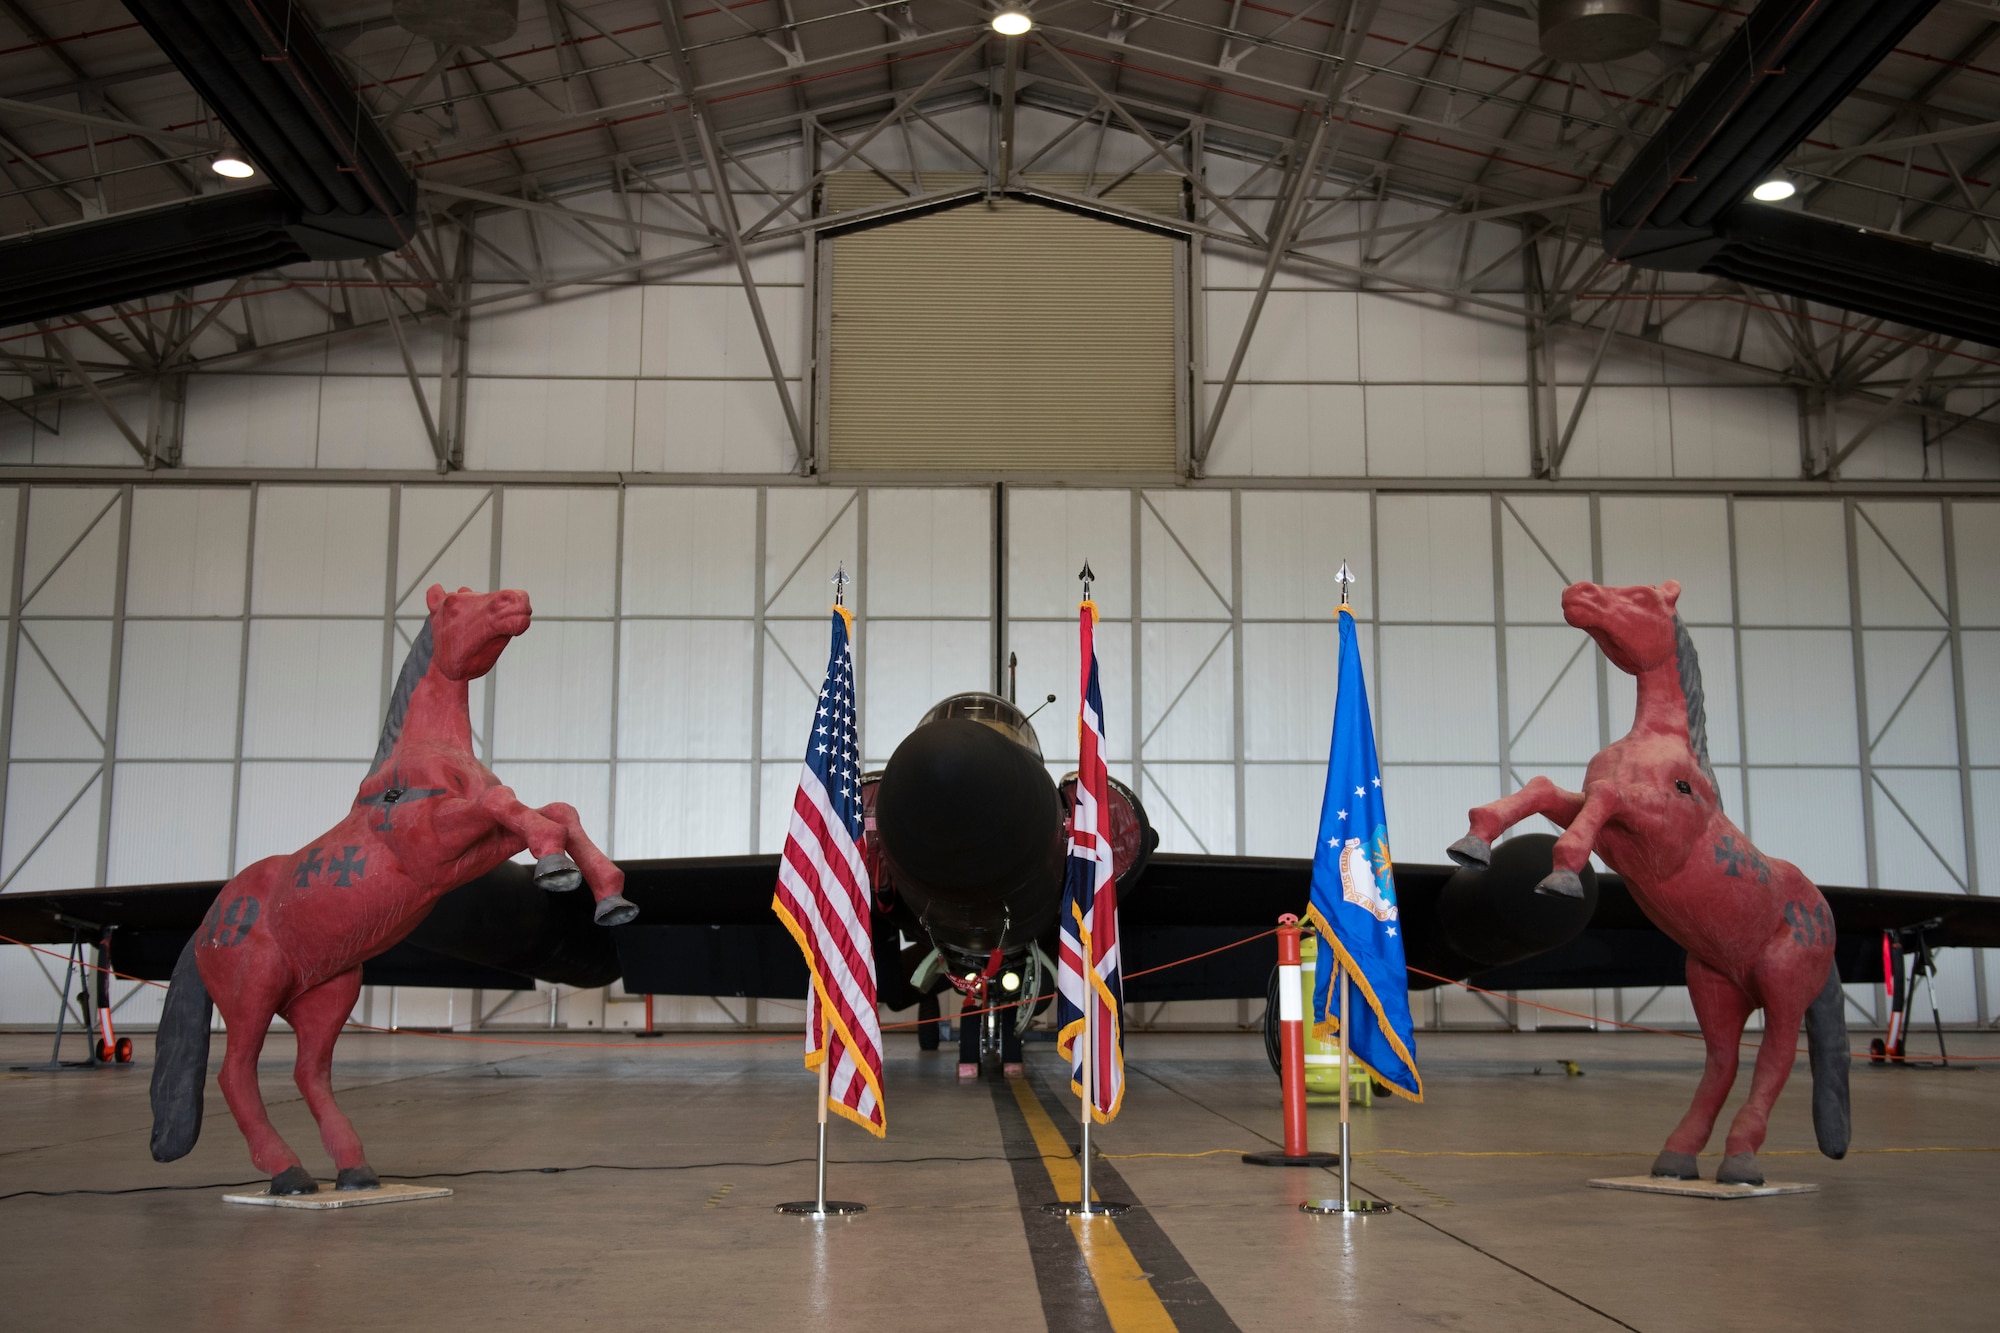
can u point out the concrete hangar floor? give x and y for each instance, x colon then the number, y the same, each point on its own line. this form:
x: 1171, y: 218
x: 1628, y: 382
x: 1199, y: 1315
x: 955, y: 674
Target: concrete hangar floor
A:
x: 629, y: 1185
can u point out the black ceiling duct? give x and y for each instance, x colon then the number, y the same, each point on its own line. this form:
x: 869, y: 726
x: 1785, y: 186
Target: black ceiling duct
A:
x: 1683, y: 204
x: 336, y: 191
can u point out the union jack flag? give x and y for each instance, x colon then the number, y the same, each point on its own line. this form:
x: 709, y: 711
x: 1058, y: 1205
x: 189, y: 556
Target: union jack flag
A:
x: 823, y: 898
x: 1087, y: 979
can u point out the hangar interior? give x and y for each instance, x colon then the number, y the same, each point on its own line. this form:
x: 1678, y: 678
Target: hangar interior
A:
x: 684, y: 307
x: 231, y: 497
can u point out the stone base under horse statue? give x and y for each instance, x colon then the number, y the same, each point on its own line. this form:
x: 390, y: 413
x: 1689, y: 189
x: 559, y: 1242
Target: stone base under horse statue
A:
x: 1702, y: 1189
x: 330, y: 1195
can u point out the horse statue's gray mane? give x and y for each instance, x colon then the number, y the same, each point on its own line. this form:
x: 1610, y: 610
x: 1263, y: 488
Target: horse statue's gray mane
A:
x: 1689, y: 663
x: 419, y: 662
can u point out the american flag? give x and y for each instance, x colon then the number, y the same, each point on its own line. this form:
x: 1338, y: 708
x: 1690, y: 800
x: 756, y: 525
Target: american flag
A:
x: 823, y: 896
x: 1087, y: 977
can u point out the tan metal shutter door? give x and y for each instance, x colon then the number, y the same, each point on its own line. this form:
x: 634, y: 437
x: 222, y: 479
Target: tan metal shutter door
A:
x: 1002, y: 337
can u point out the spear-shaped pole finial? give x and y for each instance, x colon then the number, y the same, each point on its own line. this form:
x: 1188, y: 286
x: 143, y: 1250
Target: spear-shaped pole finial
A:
x: 840, y: 584
x: 1344, y: 579
x: 1087, y: 578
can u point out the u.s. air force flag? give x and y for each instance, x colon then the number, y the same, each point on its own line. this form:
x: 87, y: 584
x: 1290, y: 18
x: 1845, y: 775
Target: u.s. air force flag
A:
x: 1354, y: 894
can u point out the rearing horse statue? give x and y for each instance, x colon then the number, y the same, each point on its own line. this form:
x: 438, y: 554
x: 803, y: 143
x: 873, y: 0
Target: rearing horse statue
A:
x: 1757, y: 932
x: 289, y: 934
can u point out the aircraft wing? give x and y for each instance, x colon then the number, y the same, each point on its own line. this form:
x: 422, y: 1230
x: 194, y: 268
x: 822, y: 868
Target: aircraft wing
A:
x: 705, y: 928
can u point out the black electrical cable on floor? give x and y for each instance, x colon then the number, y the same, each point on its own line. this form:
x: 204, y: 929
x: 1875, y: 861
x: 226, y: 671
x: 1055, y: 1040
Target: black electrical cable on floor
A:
x: 545, y: 1171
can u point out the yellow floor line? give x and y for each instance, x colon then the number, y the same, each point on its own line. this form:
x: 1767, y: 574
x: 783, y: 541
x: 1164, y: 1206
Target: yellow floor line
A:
x: 1129, y: 1299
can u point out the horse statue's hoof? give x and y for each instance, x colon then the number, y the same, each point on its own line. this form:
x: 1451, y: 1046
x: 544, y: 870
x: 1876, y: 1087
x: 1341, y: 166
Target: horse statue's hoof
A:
x: 1739, y: 1168
x: 1471, y: 851
x: 556, y: 873
x: 615, y: 910
x: 1561, y: 884
x: 360, y: 1177
x: 1670, y: 1165
x: 294, y: 1180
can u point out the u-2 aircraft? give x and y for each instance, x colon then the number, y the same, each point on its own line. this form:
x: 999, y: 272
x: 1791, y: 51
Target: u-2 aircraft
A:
x: 965, y: 836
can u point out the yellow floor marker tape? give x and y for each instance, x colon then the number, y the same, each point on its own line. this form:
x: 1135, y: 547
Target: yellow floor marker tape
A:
x: 1129, y: 1299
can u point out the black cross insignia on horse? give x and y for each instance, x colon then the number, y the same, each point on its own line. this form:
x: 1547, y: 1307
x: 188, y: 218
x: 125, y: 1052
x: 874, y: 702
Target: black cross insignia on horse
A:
x: 308, y: 866
x: 1732, y: 858
x: 347, y: 863
x: 396, y: 792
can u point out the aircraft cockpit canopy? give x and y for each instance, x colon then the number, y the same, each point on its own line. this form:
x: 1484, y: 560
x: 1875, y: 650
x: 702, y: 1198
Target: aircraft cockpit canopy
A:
x: 992, y: 711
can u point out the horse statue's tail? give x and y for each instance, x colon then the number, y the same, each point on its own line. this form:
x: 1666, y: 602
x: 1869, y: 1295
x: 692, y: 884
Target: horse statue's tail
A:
x: 1826, y: 1045
x: 180, y: 1061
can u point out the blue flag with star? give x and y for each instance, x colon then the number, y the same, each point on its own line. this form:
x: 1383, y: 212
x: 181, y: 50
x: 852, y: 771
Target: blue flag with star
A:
x: 1354, y: 895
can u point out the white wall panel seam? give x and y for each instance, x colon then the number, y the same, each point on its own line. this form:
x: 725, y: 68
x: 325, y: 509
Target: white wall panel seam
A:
x: 13, y: 651
x: 117, y: 676
x: 1969, y: 816
x: 1865, y: 746
x: 610, y: 834
x: 1236, y: 657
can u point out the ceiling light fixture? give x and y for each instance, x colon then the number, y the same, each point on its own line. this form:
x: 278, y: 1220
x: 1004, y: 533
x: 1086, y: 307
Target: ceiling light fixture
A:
x: 230, y: 163
x: 1012, y: 22
x: 1774, y: 190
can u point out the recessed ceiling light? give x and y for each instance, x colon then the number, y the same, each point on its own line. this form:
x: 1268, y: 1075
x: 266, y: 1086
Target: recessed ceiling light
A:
x: 232, y: 166
x: 1774, y: 190
x: 1011, y: 23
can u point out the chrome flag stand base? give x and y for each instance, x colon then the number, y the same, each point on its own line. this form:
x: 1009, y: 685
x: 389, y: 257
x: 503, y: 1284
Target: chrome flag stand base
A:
x: 822, y: 1207
x: 1345, y: 1205
x: 1085, y: 1206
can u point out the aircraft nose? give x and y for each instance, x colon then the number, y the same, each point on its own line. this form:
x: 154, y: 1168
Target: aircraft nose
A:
x: 966, y: 812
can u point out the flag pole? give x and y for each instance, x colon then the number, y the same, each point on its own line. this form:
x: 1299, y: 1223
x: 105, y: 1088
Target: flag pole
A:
x: 820, y: 1207
x: 1345, y: 1205
x: 1089, y: 1069
x: 825, y: 1084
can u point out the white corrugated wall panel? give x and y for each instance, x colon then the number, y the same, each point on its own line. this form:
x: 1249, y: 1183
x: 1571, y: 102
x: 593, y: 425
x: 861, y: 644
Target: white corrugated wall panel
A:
x: 930, y: 552
x: 177, y: 692
x: 445, y: 536
x: 684, y: 689
x: 552, y: 693
x: 321, y: 550
x: 59, y: 712
x: 587, y: 333
x: 1292, y: 548
x: 1919, y: 830
x: 554, y: 425
x: 808, y: 536
x: 71, y: 567
x: 1798, y: 690
x: 1184, y: 554
x: 1446, y: 430
x: 1734, y: 432
x: 1650, y: 539
x: 374, y: 422
x: 1437, y: 558
x: 1301, y: 336
x: 1544, y: 547
x: 1911, y: 713
x: 251, y: 421
x: 1437, y: 694
x: 1051, y: 533
x: 1812, y: 818
x: 1281, y: 805
x: 712, y: 426
x: 283, y: 807
x: 188, y: 551
x: 50, y: 835
x: 795, y: 653
x: 1791, y: 562
x: 1976, y: 534
x: 1427, y: 803
x: 1899, y: 555
x: 1551, y: 695
x: 910, y: 665
x: 1292, y: 430
x: 683, y: 809
x: 690, y: 551
x: 560, y: 547
x: 1290, y: 679
x: 1406, y: 339
x: 169, y: 823
x: 1189, y: 677
x: 1621, y: 432
x: 314, y: 689
x: 1192, y: 806
x: 708, y: 332
x: 585, y: 786
x: 1982, y: 704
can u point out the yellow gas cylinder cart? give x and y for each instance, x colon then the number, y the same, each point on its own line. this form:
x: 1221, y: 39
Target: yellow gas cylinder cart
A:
x: 1323, y: 1053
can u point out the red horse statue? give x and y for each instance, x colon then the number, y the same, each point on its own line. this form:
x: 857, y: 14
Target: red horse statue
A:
x: 289, y: 934
x: 1757, y: 932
